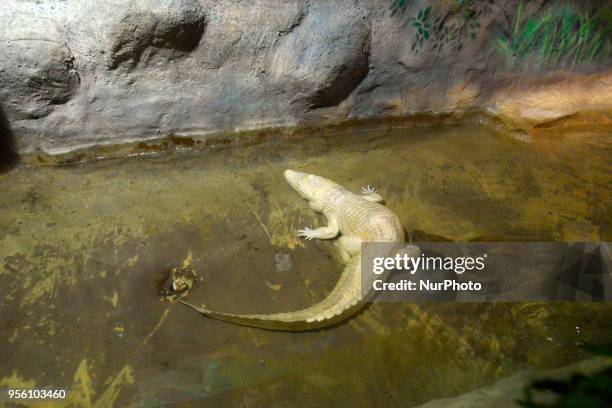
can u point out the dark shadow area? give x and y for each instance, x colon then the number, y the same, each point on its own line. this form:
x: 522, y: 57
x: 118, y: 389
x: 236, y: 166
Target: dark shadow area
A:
x: 8, y: 151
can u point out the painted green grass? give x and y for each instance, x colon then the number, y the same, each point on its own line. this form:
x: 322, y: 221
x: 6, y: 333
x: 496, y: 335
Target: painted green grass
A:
x: 559, y: 37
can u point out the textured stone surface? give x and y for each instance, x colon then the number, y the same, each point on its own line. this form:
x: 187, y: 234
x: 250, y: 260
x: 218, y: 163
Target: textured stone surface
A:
x: 326, y: 56
x: 75, y: 74
x: 36, y: 68
x: 557, y: 97
x: 154, y: 26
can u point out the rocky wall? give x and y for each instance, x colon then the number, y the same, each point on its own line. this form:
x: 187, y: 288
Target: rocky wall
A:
x: 76, y: 74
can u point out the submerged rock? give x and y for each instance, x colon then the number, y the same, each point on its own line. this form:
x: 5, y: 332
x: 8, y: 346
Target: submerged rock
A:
x: 507, y: 392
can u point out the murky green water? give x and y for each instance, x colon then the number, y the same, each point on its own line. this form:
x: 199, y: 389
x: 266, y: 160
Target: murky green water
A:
x: 83, y: 249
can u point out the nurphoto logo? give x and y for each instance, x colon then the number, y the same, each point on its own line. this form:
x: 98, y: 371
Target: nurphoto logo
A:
x: 498, y: 271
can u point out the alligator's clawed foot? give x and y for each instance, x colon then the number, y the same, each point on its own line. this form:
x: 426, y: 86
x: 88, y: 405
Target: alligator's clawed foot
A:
x: 307, y: 233
x: 370, y: 194
x: 368, y: 190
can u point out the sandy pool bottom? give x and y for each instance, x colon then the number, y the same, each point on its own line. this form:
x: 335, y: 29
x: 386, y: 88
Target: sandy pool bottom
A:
x: 83, y: 250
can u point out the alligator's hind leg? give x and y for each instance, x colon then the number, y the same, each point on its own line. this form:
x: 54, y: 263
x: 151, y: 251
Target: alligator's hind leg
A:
x: 348, y: 246
x: 370, y: 194
x: 330, y: 231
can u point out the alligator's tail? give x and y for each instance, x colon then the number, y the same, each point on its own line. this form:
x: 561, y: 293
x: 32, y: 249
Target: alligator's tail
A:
x: 343, y: 301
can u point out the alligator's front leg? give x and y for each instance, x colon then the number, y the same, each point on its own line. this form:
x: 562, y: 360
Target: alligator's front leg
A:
x: 370, y: 194
x: 330, y: 231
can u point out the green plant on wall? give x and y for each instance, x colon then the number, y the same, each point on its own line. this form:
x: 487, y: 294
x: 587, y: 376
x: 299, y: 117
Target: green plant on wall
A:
x: 563, y: 35
x: 560, y: 36
x: 422, y: 29
x: 446, y: 26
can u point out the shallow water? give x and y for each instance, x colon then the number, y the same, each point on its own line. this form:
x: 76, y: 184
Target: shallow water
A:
x: 84, y: 248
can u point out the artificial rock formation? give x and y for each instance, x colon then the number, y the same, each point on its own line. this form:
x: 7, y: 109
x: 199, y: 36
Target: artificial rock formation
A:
x: 76, y: 74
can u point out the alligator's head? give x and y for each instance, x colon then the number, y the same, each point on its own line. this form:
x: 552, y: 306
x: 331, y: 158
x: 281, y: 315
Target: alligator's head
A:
x: 313, y: 188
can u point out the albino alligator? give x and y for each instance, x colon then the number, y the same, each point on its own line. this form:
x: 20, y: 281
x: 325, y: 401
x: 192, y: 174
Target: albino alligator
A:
x: 358, y: 218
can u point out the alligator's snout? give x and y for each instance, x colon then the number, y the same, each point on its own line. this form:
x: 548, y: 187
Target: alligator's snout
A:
x: 295, y: 178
